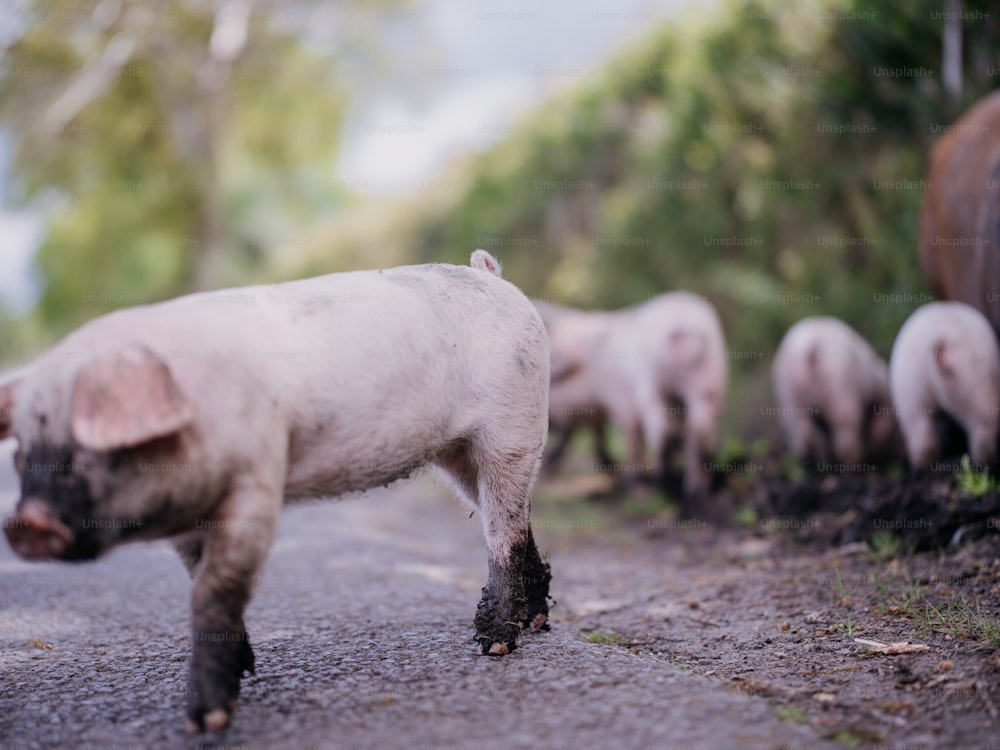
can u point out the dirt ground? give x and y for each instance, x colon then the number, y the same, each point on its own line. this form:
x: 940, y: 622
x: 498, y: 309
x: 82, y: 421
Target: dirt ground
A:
x: 772, y: 586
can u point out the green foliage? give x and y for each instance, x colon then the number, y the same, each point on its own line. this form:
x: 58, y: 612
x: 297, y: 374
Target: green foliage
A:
x: 744, y: 157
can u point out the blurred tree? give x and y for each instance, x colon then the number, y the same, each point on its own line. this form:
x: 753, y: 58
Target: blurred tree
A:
x: 168, y: 143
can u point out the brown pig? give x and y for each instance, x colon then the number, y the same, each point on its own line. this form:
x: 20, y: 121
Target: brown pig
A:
x: 317, y: 387
x: 945, y: 366
x: 960, y: 214
x: 832, y: 392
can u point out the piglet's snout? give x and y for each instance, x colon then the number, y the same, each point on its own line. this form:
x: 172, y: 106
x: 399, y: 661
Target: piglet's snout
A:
x: 35, y: 535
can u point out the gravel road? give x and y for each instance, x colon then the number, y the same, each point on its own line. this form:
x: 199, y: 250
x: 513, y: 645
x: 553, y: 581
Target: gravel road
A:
x: 362, y: 625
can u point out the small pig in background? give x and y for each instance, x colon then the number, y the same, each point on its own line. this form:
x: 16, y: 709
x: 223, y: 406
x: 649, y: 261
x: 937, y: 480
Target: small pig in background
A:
x: 573, y: 394
x: 658, y: 371
x: 945, y: 366
x: 662, y: 373
x: 280, y: 392
x: 832, y: 392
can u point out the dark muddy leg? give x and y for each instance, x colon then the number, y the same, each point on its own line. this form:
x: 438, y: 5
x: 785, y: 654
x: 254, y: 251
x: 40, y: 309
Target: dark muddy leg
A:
x: 553, y: 457
x: 217, y: 654
x: 190, y: 550
x: 503, y: 608
x: 630, y: 478
x: 667, y: 477
x: 515, y: 597
x: 231, y: 557
x: 601, y: 452
x: 537, y: 576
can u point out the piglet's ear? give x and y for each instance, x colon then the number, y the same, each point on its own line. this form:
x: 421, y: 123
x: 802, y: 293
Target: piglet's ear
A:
x: 8, y: 392
x: 127, y: 397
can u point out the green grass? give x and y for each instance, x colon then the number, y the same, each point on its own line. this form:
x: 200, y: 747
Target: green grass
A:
x: 974, y: 481
x: 791, y: 713
x: 654, y: 504
x: 732, y: 449
x: 843, y: 598
x: 885, y: 545
x: 960, y: 618
x: 607, y: 639
x: 790, y: 468
x: 745, y: 516
x: 855, y: 738
x: 905, y: 601
x: 956, y: 616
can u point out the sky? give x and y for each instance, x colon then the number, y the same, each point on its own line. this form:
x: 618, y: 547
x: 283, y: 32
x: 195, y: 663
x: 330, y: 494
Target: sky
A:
x: 494, y: 63
x: 485, y: 67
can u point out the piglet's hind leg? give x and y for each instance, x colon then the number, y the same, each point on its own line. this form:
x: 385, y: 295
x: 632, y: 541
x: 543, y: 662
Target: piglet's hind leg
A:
x: 504, y: 502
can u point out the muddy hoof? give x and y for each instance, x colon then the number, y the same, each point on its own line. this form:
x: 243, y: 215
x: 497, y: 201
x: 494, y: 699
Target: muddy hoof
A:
x: 496, y: 648
x: 214, y: 721
x: 217, y: 720
x: 537, y: 623
x: 495, y: 645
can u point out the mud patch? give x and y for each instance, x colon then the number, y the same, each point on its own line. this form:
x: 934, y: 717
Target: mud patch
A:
x: 922, y: 514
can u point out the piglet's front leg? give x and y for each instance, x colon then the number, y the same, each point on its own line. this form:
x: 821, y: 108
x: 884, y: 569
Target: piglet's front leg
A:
x: 232, y: 557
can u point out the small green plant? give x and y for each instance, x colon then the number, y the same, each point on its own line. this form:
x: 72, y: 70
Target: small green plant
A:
x: 905, y: 601
x: 844, y: 600
x: 895, y: 470
x: 791, y: 713
x: 652, y: 505
x: 607, y: 639
x: 790, y: 467
x: 976, y: 482
x: 733, y: 449
x: 852, y: 738
x: 761, y: 447
x: 746, y: 516
x: 885, y: 545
